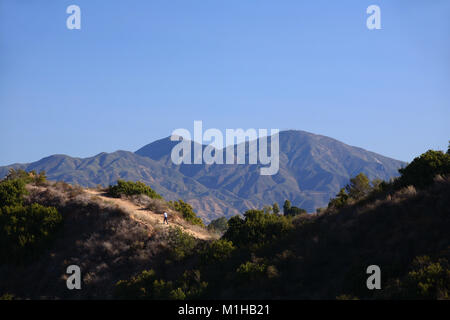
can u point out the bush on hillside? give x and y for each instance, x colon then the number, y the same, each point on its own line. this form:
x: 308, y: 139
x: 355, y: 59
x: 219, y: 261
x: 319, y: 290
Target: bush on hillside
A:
x: 251, y: 271
x: 181, y: 244
x: 25, y: 229
x: 27, y: 177
x: 187, y: 212
x: 148, y: 286
x: 340, y: 200
x: 12, y: 192
x: 421, y: 172
x: 130, y: 188
x: 359, y: 188
x: 289, y: 210
x: 294, y: 211
x: 218, y: 225
x: 427, y: 279
x: 276, y: 208
x: 217, y: 251
x: 257, y: 228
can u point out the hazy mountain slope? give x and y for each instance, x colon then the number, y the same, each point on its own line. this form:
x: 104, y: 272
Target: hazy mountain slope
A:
x: 312, y: 169
x: 107, y: 168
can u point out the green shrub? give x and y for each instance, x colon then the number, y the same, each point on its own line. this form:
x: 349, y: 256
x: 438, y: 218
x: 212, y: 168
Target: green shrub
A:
x: 25, y: 229
x: 7, y: 296
x: 130, y: 188
x: 294, y: 211
x: 219, y: 225
x: 187, y: 212
x: 251, y: 271
x: 421, y: 172
x: 12, y: 192
x: 146, y: 285
x: 217, y: 251
x: 181, y: 244
x: 289, y: 210
x: 359, y: 188
x: 428, y: 279
x: 340, y: 200
x: 276, y: 208
x: 191, y: 285
x: 177, y: 294
x: 19, y: 174
x: 257, y: 228
x: 27, y: 177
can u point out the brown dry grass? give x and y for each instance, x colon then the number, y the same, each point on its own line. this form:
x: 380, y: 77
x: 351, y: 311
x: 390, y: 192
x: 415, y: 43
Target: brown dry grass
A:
x: 110, y: 239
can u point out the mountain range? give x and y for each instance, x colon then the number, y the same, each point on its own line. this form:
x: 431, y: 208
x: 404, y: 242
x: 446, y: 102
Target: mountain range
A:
x: 312, y: 170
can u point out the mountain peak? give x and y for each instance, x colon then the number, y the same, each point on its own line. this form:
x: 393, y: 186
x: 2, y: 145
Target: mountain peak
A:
x: 312, y: 170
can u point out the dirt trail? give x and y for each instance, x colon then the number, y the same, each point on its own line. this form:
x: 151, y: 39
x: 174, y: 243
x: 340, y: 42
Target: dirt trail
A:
x: 148, y: 218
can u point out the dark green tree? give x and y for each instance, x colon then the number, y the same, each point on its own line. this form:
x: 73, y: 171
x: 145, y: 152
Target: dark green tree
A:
x: 359, y: 187
x: 286, y: 207
x: 293, y: 211
x: 421, y: 172
x: 289, y: 210
x: 219, y: 224
x: 340, y: 200
x: 187, y: 211
x: 24, y: 229
x: 12, y: 192
x: 276, y: 208
x: 217, y: 251
x: 257, y: 228
x: 129, y: 188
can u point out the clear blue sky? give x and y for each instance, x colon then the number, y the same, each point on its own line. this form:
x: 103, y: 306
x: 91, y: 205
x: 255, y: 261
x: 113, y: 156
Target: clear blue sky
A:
x: 139, y: 69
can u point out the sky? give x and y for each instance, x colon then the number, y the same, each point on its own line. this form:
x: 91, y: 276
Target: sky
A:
x: 137, y: 70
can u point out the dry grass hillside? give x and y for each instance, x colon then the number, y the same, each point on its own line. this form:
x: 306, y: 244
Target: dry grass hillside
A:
x: 110, y: 239
x: 117, y: 238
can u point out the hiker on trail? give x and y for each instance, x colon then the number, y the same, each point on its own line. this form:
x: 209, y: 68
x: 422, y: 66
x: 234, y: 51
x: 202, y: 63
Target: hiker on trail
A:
x: 165, y: 218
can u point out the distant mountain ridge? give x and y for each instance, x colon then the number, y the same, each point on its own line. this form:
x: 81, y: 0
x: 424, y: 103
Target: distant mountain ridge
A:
x: 312, y: 170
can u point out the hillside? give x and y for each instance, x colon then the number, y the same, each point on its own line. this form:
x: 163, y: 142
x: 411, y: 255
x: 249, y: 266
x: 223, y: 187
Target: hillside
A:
x: 312, y: 170
x: 106, y: 168
x: 109, y: 238
x: 126, y: 253
x: 399, y: 226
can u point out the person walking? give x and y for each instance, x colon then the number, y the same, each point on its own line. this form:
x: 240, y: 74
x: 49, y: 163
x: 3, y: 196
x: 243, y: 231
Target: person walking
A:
x: 165, y: 218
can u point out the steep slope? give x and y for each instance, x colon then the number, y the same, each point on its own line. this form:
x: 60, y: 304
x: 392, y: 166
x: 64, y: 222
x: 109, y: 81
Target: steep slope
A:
x: 109, y: 239
x: 147, y: 218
